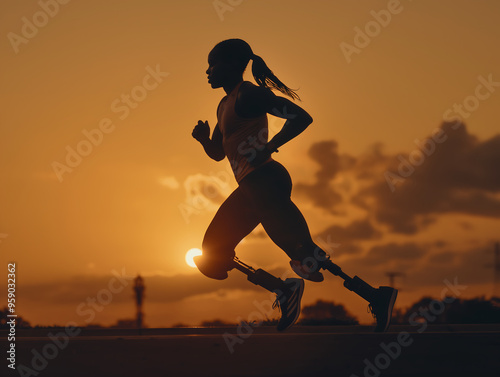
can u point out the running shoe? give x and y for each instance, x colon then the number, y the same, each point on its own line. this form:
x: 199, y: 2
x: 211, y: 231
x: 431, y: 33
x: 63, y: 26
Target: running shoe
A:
x: 381, y: 307
x: 288, y: 301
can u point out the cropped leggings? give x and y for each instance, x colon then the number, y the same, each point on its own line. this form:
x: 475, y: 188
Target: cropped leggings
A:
x: 263, y: 197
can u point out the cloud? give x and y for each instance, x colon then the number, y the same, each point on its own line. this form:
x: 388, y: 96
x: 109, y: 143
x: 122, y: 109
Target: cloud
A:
x: 321, y: 192
x: 450, y: 171
x: 473, y: 265
x: 424, y: 265
x: 393, y: 252
x: 162, y: 289
x: 169, y: 182
x: 180, y: 287
x: 369, y: 164
x: 443, y: 258
x: 206, y: 191
x: 460, y: 175
x: 348, y: 236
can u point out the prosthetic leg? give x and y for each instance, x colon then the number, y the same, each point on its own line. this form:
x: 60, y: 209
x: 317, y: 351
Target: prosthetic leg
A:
x: 273, y: 284
x: 381, y: 299
x: 289, y: 291
x: 259, y: 277
x: 355, y: 284
x: 310, y: 269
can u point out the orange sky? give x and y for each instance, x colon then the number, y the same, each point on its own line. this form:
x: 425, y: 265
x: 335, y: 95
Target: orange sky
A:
x: 136, y: 201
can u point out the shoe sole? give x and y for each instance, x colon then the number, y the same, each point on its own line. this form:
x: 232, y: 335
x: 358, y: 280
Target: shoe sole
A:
x: 300, y: 293
x: 389, y: 309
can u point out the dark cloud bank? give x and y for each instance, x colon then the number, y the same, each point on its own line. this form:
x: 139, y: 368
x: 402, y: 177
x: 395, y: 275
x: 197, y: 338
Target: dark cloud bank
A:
x: 450, y: 171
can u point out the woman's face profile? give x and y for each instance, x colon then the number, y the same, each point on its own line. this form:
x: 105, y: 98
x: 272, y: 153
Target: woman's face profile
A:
x: 218, y: 71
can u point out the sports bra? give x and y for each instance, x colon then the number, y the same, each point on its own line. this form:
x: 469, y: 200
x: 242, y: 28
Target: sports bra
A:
x: 241, y: 137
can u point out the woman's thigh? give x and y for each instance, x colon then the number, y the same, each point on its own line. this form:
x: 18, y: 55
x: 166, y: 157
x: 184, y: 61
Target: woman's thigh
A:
x: 234, y: 220
x: 269, y: 190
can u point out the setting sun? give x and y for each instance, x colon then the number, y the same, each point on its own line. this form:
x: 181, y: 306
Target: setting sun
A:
x: 191, y: 253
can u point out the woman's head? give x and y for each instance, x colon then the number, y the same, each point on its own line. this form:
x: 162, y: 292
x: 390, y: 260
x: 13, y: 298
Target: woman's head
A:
x: 228, y: 60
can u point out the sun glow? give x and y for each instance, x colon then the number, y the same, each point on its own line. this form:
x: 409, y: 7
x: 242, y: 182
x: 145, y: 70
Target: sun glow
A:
x: 191, y: 253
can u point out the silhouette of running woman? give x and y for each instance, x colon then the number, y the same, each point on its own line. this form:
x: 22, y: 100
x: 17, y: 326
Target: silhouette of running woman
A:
x: 264, y: 185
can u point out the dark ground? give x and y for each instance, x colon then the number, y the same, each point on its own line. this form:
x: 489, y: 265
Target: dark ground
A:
x: 458, y: 350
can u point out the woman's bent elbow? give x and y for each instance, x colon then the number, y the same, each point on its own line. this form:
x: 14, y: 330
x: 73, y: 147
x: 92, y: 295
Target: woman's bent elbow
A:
x: 307, y: 119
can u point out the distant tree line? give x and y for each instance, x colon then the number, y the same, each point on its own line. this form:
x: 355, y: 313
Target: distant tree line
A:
x: 328, y: 313
x: 470, y: 311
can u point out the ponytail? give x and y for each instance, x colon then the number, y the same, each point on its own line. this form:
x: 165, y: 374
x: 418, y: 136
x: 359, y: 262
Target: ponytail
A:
x: 266, y: 78
x: 238, y: 52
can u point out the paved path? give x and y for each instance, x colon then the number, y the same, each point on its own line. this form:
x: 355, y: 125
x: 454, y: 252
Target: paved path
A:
x: 329, y: 352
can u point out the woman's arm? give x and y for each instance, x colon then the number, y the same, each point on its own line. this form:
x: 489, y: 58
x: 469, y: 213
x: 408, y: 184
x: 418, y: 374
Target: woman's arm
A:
x: 213, y: 147
x: 254, y: 101
x: 297, y: 120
